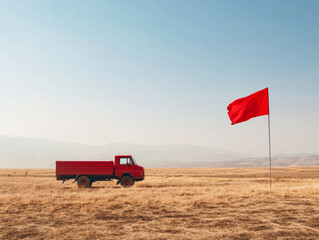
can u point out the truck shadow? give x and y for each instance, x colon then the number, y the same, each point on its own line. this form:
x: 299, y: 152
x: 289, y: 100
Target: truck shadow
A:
x: 102, y: 187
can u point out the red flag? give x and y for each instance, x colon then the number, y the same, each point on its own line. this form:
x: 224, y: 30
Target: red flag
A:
x: 245, y: 108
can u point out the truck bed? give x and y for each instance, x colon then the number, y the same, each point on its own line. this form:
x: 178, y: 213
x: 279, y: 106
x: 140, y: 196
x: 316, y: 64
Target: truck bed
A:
x: 64, y: 168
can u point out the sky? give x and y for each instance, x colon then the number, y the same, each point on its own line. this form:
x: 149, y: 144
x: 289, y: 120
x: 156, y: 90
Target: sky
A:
x: 160, y: 72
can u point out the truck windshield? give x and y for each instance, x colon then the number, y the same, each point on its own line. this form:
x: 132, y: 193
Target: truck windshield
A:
x: 133, y: 160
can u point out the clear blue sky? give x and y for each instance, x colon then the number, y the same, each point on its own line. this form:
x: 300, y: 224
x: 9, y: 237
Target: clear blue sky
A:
x: 160, y: 72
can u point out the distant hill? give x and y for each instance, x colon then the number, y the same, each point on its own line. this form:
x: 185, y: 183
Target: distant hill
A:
x: 38, y: 153
x: 283, y: 161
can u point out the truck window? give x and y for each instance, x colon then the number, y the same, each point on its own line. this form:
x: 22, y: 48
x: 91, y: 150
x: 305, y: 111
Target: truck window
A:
x: 133, y: 160
x: 125, y: 160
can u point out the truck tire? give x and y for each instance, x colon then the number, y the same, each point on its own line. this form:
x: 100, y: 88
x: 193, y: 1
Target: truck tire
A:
x: 127, y: 181
x: 84, y: 182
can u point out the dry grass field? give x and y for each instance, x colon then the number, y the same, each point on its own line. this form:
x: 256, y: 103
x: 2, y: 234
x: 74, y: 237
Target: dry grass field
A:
x: 168, y: 204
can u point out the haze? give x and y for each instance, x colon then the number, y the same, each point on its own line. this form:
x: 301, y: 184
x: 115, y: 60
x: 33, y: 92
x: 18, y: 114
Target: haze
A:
x: 160, y: 72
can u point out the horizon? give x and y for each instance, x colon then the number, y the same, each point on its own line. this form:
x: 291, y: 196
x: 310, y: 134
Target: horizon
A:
x: 33, y: 153
x: 248, y: 155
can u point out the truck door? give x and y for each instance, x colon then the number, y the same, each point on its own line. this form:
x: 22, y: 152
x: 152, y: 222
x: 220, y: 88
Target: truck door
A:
x: 125, y: 166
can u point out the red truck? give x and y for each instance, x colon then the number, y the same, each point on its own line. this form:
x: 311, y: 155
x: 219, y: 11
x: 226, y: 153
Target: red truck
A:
x: 124, y: 169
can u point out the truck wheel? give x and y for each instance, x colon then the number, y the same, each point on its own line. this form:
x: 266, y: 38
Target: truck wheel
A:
x: 127, y: 181
x: 84, y: 182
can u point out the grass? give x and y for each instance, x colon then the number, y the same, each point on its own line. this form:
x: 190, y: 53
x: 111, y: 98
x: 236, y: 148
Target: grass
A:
x: 169, y: 204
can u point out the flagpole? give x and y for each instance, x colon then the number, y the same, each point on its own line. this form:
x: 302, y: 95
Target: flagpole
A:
x: 269, y: 146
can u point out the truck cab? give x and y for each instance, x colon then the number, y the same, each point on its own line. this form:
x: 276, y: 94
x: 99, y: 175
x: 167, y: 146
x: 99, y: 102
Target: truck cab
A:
x: 126, y: 170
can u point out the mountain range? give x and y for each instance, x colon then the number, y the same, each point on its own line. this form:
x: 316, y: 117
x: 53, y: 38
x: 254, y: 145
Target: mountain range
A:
x: 19, y: 152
